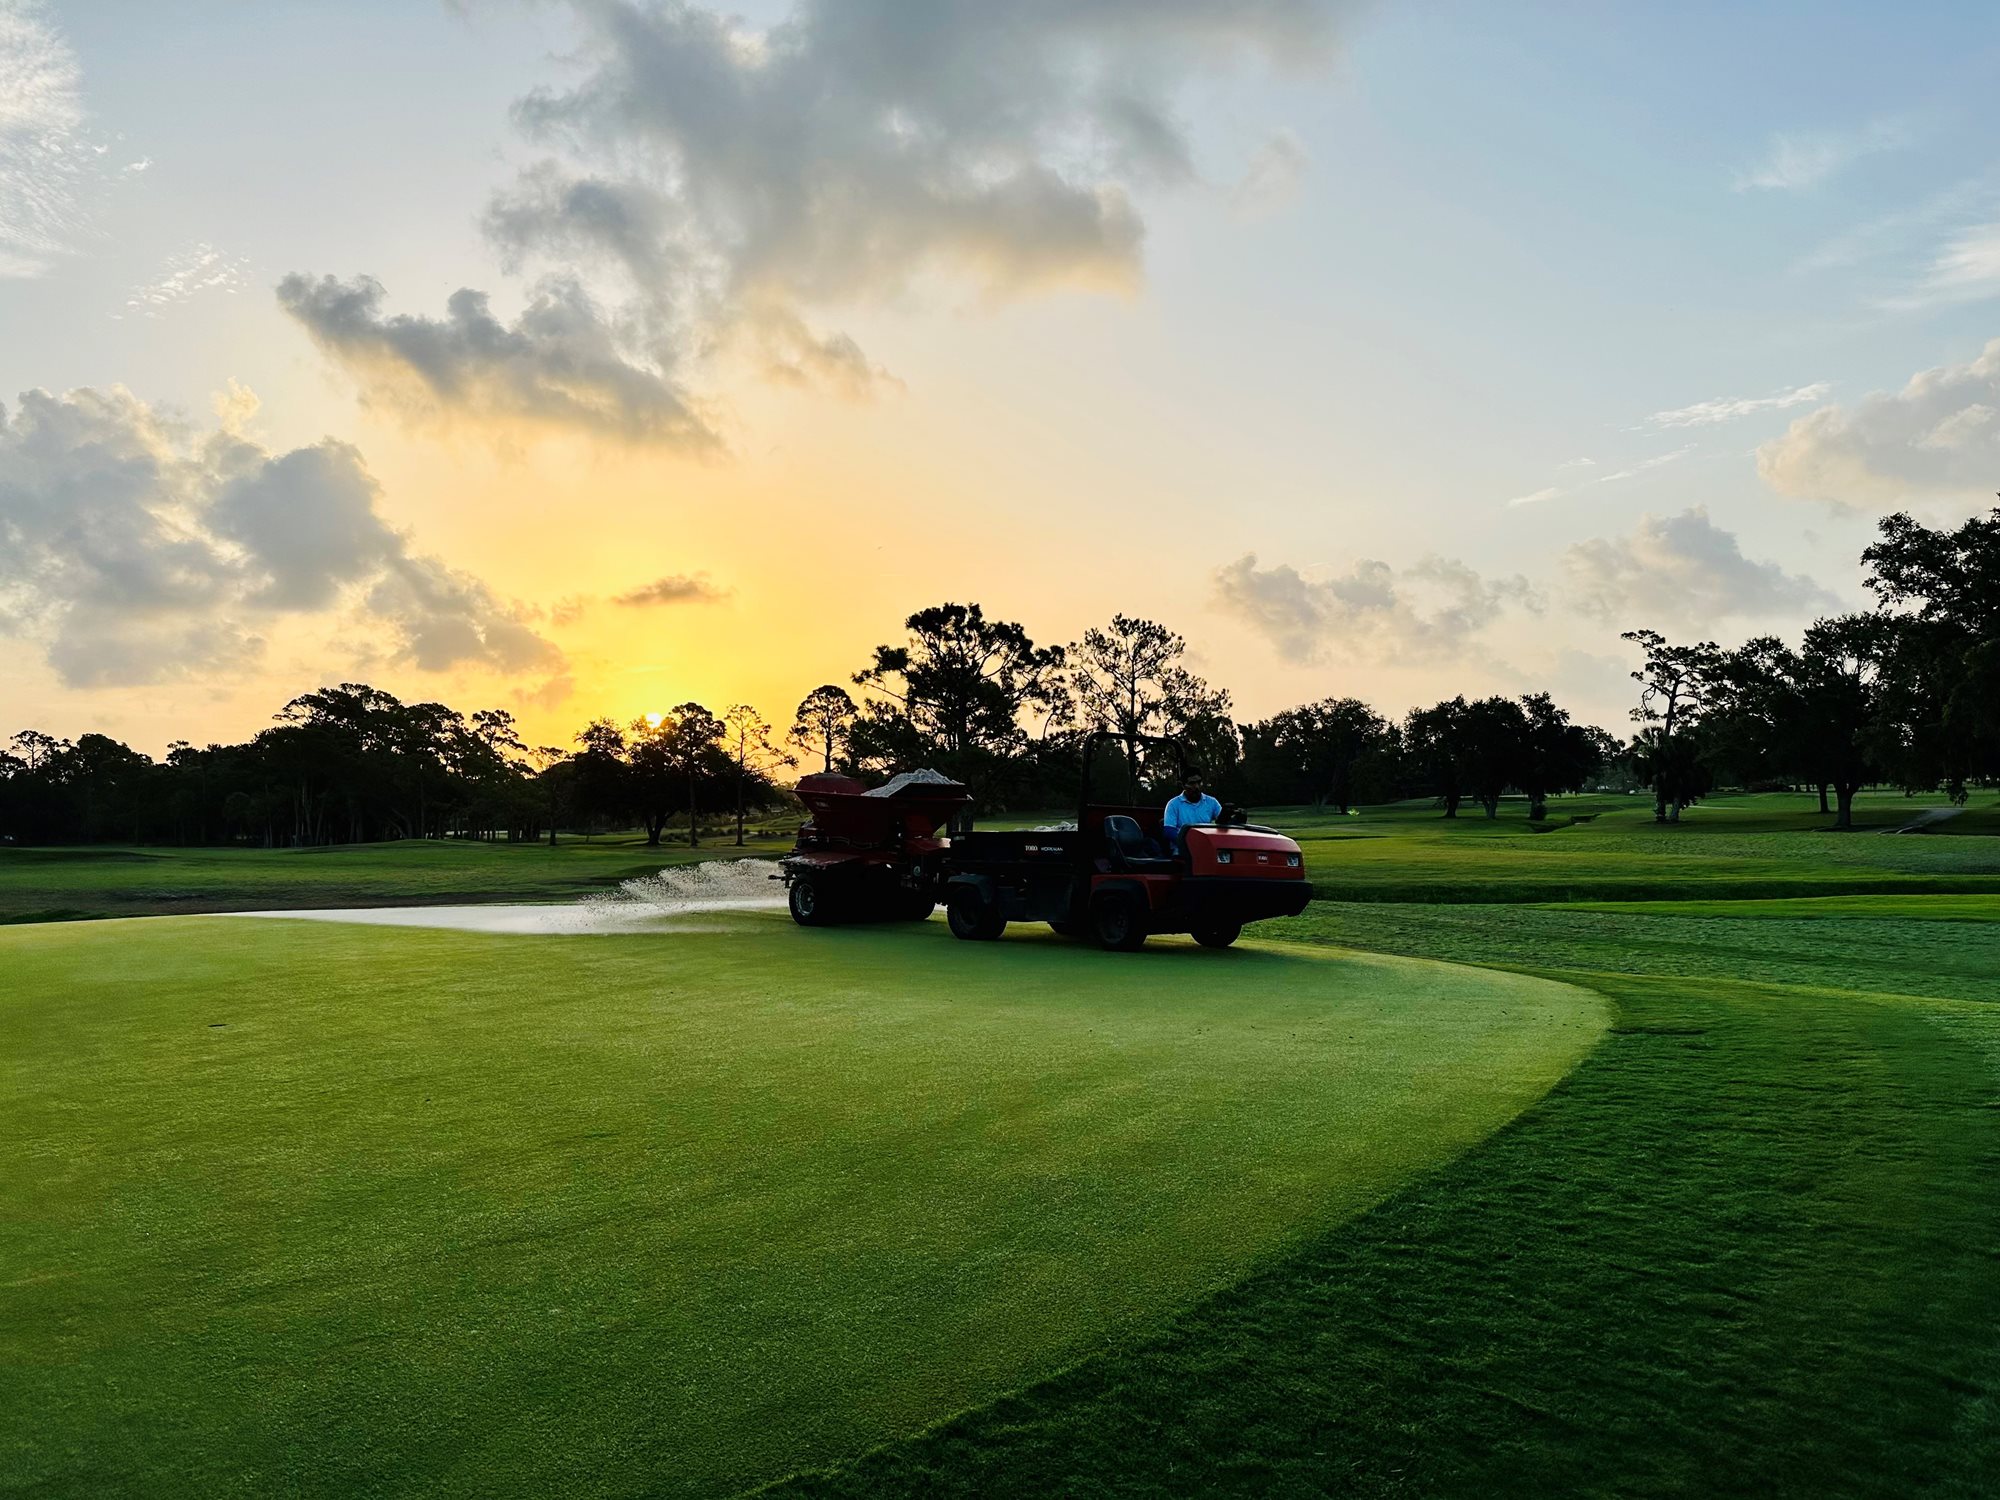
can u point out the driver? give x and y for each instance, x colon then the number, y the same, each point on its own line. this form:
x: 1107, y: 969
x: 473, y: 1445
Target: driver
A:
x: 1192, y: 806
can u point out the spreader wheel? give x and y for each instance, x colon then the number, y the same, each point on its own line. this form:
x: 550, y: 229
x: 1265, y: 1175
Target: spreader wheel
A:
x: 972, y: 917
x: 1118, y: 921
x: 809, y: 905
x: 1218, y: 934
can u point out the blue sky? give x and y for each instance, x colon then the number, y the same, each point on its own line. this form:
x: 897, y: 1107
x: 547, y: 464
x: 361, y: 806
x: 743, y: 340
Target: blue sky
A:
x: 1484, y: 330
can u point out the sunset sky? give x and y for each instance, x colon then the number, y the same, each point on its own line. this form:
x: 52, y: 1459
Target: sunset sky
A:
x: 584, y: 358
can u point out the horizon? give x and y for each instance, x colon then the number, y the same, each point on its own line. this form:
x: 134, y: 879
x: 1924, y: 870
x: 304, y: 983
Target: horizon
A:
x: 560, y: 359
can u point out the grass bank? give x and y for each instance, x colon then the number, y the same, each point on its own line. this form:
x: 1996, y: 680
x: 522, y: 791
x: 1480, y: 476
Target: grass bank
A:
x: 321, y: 1209
x: 1747, y: 1248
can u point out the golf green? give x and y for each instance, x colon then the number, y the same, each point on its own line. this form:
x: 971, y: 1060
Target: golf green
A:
x: 326, y: 1208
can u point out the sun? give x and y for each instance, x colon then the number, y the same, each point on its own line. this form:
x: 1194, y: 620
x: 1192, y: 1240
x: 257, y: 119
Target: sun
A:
x: 653, y: 721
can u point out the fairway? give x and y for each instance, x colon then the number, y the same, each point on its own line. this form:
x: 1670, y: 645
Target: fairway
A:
x: 300, y: 1207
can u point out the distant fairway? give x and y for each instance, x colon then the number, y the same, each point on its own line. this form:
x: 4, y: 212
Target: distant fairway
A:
x: 297, y: 1207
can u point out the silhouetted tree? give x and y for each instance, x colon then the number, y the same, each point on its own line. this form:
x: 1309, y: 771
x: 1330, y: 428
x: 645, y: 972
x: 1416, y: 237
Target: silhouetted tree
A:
x: 1555, y: 755
x: 953, y: 695
x: 1493, y: 749
x: 600, y: 775
x: 1328, y: 746
x: 821, y: 719
x: 752, y: 756
x: 1842, y: 701
x: 1434, y: 741
x: 1940, y: 658
x: 692, y: 741
x: 1674, y: 686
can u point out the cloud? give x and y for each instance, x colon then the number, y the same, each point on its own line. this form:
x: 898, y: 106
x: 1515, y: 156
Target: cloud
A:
x: 1965, y: 268
x: 561, y: 364
x: 676, y: 588
x: 710, y: 189
x: 305, y: 521
x: 1425, y: 613
x: 1894, y: 234
x: 736, y: 181
x: 1272, y: 179
x: 1938, y: 437
x: 1681, y: 570
x: 200, y: 268
x: 43, y: 159
x: 1557, y: 491
x: 1793, y: 162
x: 1537, y: 497
x: 135, y: 549
x: 1729, y: 408
x: 1657, y: 461
x: 446, y: 618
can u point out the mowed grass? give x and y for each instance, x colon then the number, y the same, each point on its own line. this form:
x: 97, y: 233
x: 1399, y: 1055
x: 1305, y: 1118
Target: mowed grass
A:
x: 50, y: 885
x: 1609, y: 848
x: 297, y: 1208
x: 1595, y: 847
x: 1750, y: 1246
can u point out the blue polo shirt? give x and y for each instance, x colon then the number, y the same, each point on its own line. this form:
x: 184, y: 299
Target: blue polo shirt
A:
x: 1182, y: 813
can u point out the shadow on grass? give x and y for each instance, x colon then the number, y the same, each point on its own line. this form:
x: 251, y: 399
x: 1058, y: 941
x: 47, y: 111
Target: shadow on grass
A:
x: 1748, y: 1247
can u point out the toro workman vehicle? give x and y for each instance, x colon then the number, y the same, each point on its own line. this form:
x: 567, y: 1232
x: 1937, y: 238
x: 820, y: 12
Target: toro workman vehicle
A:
x: 1112, y: 876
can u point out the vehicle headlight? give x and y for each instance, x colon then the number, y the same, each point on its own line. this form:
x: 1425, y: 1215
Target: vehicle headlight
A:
x: 1292, y: 860
x: 1225, y: 856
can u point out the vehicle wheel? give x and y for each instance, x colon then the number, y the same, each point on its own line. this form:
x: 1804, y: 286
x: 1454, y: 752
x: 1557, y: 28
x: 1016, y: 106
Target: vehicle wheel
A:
x: 1064, y: 929
x: 1218, y: 934
x: 913, y: 908
x: 1118, y: 922
x: 972, y: 918
x: 809, y: 905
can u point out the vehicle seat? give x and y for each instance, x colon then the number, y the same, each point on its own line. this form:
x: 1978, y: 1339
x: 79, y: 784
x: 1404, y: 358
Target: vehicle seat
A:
x: 1130, y: 849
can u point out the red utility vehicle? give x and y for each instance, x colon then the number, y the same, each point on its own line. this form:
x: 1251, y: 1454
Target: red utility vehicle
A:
x: 1116, y: 879
x: 1113, y: 876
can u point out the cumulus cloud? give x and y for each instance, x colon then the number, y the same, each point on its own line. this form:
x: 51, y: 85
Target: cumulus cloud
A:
x: 1938, y: 437
x: 562, y: 363
x: 43, y: 158
x: 135, y: 549
x: 675, y: 588
x: 1729, y: 408
x: 858, y: 142
x: 724, y: 186
x: 1793, y: 162
x: 446, y: 618
x: 1424, y: 613
x: 1684, y: 570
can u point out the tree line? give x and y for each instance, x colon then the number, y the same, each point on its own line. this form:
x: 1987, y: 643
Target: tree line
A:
x: 1908, y: 694
x: 1904, y: 695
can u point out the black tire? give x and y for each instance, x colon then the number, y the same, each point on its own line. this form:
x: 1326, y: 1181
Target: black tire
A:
x: 1218, y: 934
x: 1065, y: 929
x: 1118, y: 922
x: 809, y: 905
x: 972, y: 918
x: 913, y: 908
